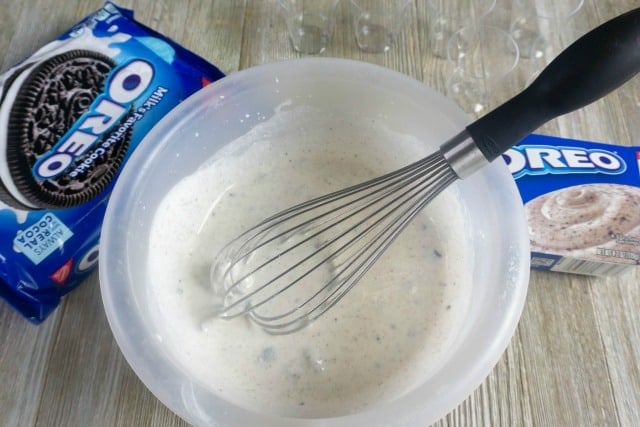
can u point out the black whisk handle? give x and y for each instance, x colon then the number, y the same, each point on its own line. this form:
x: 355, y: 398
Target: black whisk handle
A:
x: 594, y: 65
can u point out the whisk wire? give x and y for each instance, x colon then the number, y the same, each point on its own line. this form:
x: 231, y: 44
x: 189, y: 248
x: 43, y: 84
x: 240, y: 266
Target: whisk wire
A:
x: 392, y: 181
x: 404, y: 175
x: 411, y: 176
x: 378, y: 229
x: 368, y: 255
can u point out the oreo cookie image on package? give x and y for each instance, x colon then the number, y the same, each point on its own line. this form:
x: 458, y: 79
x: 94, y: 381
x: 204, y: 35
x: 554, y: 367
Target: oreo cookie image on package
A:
x: 71, y: 115
x: 51, y: 98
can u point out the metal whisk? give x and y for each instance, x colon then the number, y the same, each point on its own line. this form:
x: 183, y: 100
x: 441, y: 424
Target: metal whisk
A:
x: 294, y: 266
x: 314, y: 253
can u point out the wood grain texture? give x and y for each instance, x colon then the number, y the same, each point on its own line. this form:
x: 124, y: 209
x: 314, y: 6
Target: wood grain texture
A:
x: 574, y: 359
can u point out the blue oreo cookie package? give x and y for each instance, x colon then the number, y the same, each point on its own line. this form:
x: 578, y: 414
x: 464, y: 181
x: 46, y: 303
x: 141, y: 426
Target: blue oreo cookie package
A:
x: 582, y: 201
x: 70, y: 116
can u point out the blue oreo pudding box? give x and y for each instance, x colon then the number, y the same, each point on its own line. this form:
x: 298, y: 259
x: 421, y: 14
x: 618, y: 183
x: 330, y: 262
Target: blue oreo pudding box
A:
x: 70, y: 116
x: 582, y: 201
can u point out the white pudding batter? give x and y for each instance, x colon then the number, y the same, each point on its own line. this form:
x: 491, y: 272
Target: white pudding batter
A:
x: 384, y: 338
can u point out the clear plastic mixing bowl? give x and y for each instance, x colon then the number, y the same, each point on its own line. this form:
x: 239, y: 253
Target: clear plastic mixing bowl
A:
x: 229, y: 108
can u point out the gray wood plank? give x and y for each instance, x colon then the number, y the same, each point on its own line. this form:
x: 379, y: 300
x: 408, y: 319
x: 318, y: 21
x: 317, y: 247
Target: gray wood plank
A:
x: 24, y: 361
x: 616, y: 302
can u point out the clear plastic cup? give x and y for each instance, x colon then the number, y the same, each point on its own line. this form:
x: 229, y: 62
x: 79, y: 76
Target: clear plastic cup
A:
x: 309, y: 23
x: 482, y: 58
x: 534, y: 21
x: 445, y: 17
x: 377, y: 23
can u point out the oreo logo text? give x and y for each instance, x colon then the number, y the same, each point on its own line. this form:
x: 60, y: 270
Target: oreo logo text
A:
x: 124, y: 86
x: 544, y: 159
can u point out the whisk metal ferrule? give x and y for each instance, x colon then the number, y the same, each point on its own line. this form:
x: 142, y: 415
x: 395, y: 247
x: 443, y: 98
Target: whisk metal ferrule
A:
x: 463, y: 155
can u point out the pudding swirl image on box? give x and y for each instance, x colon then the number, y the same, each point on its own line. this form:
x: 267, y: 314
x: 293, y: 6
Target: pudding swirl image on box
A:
x: 587, y: 221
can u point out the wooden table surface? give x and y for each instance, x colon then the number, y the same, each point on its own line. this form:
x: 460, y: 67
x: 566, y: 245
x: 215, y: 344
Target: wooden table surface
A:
x: 574, y: 360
